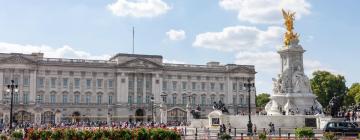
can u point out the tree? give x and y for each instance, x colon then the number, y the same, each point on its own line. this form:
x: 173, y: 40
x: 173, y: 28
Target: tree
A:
x: 262, y: 99
x: 354, y: 92
x: 326, y: 85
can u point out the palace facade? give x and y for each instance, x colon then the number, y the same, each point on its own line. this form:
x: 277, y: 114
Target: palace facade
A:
x: 121, y: 88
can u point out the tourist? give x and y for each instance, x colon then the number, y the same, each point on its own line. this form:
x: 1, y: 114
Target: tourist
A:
x: 270, y: 128
x: 229, y: 128
x: 255, y: 129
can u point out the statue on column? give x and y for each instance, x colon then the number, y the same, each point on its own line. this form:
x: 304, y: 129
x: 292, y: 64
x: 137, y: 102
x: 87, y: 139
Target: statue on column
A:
x: 334, y: 106
x: 220, y: 106
x: 196, y: 113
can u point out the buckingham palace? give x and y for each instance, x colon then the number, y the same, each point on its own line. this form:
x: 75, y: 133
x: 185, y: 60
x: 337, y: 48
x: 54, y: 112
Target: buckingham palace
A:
x: 125, y: 87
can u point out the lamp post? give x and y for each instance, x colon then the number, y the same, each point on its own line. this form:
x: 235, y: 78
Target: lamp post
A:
x: 249, y: 85
x: 11, y: 89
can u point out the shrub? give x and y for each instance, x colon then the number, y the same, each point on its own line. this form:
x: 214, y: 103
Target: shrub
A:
x: 329, y: 136
x: 304, y: 132
x: 33, y: 134
x: 225, y: 136
x: 44, y: 135
x: 142, y: 134
x: 262, y: 136
x: 3, y: 137
x: 56, y: 135
x: 17, y: 135
x: 69, y: 134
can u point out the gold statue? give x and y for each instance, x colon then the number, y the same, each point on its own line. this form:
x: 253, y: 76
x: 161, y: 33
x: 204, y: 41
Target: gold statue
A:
x: 289, y: 23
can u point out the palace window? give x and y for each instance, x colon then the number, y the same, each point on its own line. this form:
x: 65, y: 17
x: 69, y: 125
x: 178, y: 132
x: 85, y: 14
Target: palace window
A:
x: 53, y: 82
x: 174, y: 99
x: 147, y: 99
x: 39, y: 98
x: 234, y: 86
x: 164, y: 85
x: 184, y: 85
x: 111, y: 83
x: 65, y: 83
x: 40, y: 82
x: 16, y: 98
x: 193, y: 100
x: 212, y: 98
x: 234, y: 99
x: 88, y: 99
x: 193, y: 85
x: 222, y: 98
x: 203, y: 99
x: 65, y: 99
x: 212, y: 86
x: 110, y: 99
x: 99, y: 98
x: 139, y: 99
x: 174, y: 85
x: 203, y: 86
x: 88, y: 83
x: 26, y: 81
x: 221, y: 86
x: 77, y: 83
x: 77, y: 99
x: 184, y: 99
x: 130, y: 99
x: 99, y: 83
x: 26, y: 97
x: 52, y: 98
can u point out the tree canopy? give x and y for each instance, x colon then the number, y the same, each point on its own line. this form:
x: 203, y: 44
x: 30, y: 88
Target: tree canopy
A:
x: 354, y: 92
x: 262, y: 99
x: 326, y: 85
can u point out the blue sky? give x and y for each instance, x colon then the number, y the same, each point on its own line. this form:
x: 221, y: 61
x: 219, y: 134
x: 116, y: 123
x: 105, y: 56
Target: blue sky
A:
x: 187, y: 31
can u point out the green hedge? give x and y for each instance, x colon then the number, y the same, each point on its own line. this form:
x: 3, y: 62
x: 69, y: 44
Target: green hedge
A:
x: 304, y: 133
x: 104, y: 134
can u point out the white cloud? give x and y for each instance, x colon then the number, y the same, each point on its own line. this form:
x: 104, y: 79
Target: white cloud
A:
x: 264, y: 61
x: 236, y: 38
x: 269, y: 62
x: 50, y: 52
x: 138, y: 8
x: 176, y: 34
x: 265, y: 11
x: 172, y: 61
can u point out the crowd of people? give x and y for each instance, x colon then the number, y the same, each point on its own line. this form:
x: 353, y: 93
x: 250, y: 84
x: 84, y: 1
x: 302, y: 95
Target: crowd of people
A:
x: 5, y: 129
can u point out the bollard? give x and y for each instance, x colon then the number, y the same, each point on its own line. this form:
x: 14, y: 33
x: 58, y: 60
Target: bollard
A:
x: 264, y: 131
x: 288, y: 136
x: 242, y: 134
x: 235, y: 132
x: 185, y: 131
x: 195, y: 132
x: 280, y: 132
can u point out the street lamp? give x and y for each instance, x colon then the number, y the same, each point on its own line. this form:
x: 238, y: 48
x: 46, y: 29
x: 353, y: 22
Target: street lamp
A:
x: 11, y: 89
x: 164, y: 95
x: 249, y: 85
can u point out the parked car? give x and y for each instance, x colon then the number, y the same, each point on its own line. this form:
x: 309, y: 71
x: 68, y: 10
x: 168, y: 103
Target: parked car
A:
x: 340, y: 128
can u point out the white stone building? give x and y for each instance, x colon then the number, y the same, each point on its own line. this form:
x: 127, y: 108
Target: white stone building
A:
x: 53, y: 89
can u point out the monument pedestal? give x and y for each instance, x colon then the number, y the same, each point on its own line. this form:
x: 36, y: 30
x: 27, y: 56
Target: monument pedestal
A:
x: 293, y: 103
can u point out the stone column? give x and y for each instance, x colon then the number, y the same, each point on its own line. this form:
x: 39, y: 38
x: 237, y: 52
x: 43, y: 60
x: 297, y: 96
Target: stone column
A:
x: 37, y: 118
x: 6, y: 118
x: 135, y: 89
x: 2, y: 82
x: 188, y: 113
x: 32, y: 86
x: 119, y: 95
x: 57, y: 117
x: 108, y: 119
x: 163, y: 113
